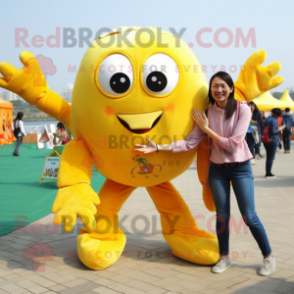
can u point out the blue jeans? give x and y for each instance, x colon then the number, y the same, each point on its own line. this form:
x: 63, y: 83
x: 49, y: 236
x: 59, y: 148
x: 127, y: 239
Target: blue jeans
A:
x: 271, y: 148
x: 18, y: 143
x: 287, y: 140
x: 242, y: 180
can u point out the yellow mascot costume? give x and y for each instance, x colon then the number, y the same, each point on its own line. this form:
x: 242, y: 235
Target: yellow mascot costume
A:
x: 124, y: 91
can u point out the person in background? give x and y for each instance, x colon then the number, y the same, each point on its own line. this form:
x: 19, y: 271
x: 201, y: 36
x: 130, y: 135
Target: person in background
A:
x: 250, y: 142
x: 257, y: 120
x: 61, y: 134
x: 287, y: 132
x: 19, y: 132
x: 274, y: 134
x: 280, y: 123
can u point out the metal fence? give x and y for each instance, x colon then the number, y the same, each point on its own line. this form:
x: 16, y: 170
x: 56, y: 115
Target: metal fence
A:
x: 39, y: 129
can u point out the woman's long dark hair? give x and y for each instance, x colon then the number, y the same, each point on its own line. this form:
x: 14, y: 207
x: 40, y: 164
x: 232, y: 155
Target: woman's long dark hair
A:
x: 18, y: 116
x: 256, y: 110
x: 232, y: 103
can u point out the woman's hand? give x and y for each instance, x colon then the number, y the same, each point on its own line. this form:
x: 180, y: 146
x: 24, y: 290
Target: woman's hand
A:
x: 200, y: 119
x: 149, y: 148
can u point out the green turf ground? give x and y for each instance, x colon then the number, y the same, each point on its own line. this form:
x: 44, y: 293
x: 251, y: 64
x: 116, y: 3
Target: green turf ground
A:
x: 21, y: 194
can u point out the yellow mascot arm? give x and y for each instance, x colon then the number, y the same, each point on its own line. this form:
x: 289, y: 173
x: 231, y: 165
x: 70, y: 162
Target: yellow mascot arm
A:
x: 75, y: 197
x: 255, y: 79
x: 30, y: 84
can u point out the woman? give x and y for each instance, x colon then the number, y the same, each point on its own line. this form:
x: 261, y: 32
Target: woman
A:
x: 274, y: 133
x: 226, y: 125
x: 257, y: 120
x: 61, y: 134
x: 19, y: 131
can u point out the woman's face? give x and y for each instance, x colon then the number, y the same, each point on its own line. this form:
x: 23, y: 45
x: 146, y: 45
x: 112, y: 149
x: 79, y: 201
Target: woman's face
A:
x: 220, y: 90
x: 252, y: 107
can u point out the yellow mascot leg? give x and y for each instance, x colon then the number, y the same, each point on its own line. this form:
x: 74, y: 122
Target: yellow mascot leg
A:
x: 101, y: 248
x: 179, y: 228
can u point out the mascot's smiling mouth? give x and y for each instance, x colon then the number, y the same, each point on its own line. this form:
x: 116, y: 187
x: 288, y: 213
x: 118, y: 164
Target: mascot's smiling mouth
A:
x: 140, y: 123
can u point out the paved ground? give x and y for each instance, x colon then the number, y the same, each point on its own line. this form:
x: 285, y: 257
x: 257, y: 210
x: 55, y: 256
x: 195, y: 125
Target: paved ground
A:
x: 147, y: 265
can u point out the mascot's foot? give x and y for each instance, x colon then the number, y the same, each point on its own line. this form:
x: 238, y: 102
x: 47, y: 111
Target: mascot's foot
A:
x: 197, y: 246
x: 99, y: 251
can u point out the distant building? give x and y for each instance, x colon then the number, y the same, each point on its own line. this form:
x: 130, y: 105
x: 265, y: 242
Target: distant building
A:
x: 9, y: 96
x: 67, y: 93
x: 6, y: 96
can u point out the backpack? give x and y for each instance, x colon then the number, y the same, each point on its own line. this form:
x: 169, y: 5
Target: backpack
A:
x: 265, y: 134
x: 16, y: 131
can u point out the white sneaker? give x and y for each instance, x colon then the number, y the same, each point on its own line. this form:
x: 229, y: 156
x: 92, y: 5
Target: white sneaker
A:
x: 252, y: 162
x: 268, y: 266
x: 221, y: 265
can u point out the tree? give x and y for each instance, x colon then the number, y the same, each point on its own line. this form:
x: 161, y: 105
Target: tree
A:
x: 277, y: 95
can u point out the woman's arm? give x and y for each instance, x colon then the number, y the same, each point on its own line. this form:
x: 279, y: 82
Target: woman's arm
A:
x: 190, y: 142
x: 232, y: 143
x: 20, y: 123
x: 57, y: 134
x: 274, y: 129
x: 22, y: 129
x: 202, y: 123
x: 152, y: 147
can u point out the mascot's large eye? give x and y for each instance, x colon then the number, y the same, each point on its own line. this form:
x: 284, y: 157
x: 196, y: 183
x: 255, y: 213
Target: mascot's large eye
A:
x: 160, y: 75
x: 115, y: 74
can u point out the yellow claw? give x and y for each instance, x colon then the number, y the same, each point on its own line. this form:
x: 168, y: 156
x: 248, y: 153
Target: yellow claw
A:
x: 255, y: 79
x: 25, y: 57
x: 28, y: 82
x: 75, y: 201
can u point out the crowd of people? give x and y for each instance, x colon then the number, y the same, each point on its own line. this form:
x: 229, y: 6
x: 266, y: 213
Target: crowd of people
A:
x: 60, y: 136
x: 269, y: 130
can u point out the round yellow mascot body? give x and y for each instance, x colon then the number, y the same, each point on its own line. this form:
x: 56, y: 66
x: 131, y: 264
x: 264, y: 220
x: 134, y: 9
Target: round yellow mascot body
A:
x: 126, y: 90
x: 112, y: 116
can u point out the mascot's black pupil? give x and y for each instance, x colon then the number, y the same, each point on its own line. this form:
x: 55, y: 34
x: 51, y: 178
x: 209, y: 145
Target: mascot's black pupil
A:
x: 120, y: 82
x: 156, y: 81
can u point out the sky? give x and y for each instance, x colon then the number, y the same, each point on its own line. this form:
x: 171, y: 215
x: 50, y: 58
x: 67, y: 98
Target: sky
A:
x: 269, y: 21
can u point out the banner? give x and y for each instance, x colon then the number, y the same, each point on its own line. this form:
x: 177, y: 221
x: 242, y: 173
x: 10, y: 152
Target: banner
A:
x: 51, y: 166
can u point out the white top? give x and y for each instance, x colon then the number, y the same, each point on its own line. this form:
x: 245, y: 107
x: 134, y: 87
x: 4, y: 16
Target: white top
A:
x: 19, y: 123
